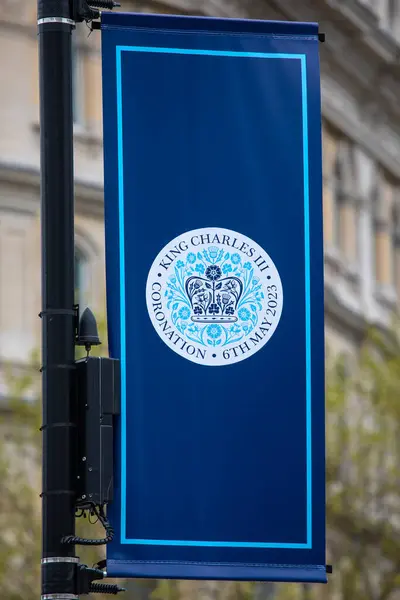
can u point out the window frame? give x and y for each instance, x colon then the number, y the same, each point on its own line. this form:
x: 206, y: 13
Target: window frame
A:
x: 78, y: 109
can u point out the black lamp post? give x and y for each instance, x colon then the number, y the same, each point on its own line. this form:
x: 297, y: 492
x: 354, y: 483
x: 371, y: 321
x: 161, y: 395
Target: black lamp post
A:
x: 56, y: 20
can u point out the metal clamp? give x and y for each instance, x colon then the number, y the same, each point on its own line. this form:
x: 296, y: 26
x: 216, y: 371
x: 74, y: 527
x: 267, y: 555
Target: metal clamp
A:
x: 52, y: 20
x: 59, y: 311
x: 59, y: 597
x: 59, y: 559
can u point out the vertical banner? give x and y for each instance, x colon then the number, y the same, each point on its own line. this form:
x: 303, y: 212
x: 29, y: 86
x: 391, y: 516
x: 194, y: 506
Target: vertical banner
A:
x: 213, y: 216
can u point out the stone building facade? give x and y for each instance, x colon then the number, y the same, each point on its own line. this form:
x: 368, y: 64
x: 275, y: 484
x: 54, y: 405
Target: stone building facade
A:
x: 20, y: 282
x: 361, y: 139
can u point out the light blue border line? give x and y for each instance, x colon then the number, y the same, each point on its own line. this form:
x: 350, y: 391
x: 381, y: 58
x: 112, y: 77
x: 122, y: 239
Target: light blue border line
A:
x: 308, y: 293
x: 147, y: 542
x: 122, y: 282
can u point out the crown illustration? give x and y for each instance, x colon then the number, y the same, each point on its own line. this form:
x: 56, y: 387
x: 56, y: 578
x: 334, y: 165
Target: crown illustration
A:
x: 214, y: 300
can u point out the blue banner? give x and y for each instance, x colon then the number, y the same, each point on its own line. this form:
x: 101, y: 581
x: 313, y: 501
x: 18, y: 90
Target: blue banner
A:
x: 214, y: 253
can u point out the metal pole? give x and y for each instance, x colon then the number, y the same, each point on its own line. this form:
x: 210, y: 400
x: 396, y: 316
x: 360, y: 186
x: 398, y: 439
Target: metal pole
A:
x: 59, y: 566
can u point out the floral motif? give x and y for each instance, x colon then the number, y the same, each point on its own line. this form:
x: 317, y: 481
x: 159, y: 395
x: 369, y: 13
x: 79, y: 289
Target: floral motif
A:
x: 214, y: 285
x: 231, y: 285
x: 235, y: 258
x: 213, y: 273
x: 214, y: 331
x: 184, y: 312
x: 213, y: 309
x: 227, y: 268
x: 244, y: 314
x: 200, y: 268
x: 213, y: 252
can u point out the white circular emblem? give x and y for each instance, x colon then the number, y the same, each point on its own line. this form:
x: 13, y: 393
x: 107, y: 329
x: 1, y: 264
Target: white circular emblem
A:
x: 214, y: 296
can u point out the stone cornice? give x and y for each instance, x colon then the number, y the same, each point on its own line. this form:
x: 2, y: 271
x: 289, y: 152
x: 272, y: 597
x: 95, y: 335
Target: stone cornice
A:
x: 346, y: 318
x: 16, y: 27
x: 356, y: 46
x: 349, y: 320
x: 365, y: 25
x: 88, y: 197
x: 354, y: 42
x: 361, y: 132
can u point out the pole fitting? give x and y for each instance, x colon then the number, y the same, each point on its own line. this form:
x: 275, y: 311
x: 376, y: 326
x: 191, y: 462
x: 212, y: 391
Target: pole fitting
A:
x: 59, y: 597
x: 59, y: 559
x: 105, y: 588
x: 59, y: 576
x: 86, y: 10
x: 54, y: 8
x: 104, y: 4
x: 87, y: 576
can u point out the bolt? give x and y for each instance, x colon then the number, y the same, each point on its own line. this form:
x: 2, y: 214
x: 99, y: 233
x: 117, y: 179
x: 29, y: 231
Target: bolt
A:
x: 83, y: 497
x: 78, y: 476
x: 84, y: 458
x: 90, y: 495
x: 90, y: 469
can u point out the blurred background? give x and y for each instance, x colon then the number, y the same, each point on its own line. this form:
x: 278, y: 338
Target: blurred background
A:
x: 360, y: 71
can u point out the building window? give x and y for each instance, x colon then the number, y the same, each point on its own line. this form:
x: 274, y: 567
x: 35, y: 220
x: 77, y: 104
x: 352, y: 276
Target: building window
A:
x: 394, y: 239
x: 338, y: 200
x: 377, y: 226
x: 81, y: 279
x: 77, y: 77
x: 344, y: 223
x: 383, y: 210
x: 345, y: 203
x: 340, y: 195
x: 393, y: 6
x: 396, y: 243
x: 390, y: 15
x: 394, y: 17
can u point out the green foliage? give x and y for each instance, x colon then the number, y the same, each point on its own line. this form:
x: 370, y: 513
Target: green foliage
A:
x: 363, y: 471
x: 20, y: 530
x: 363, y: 491
x: 20, y: 519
